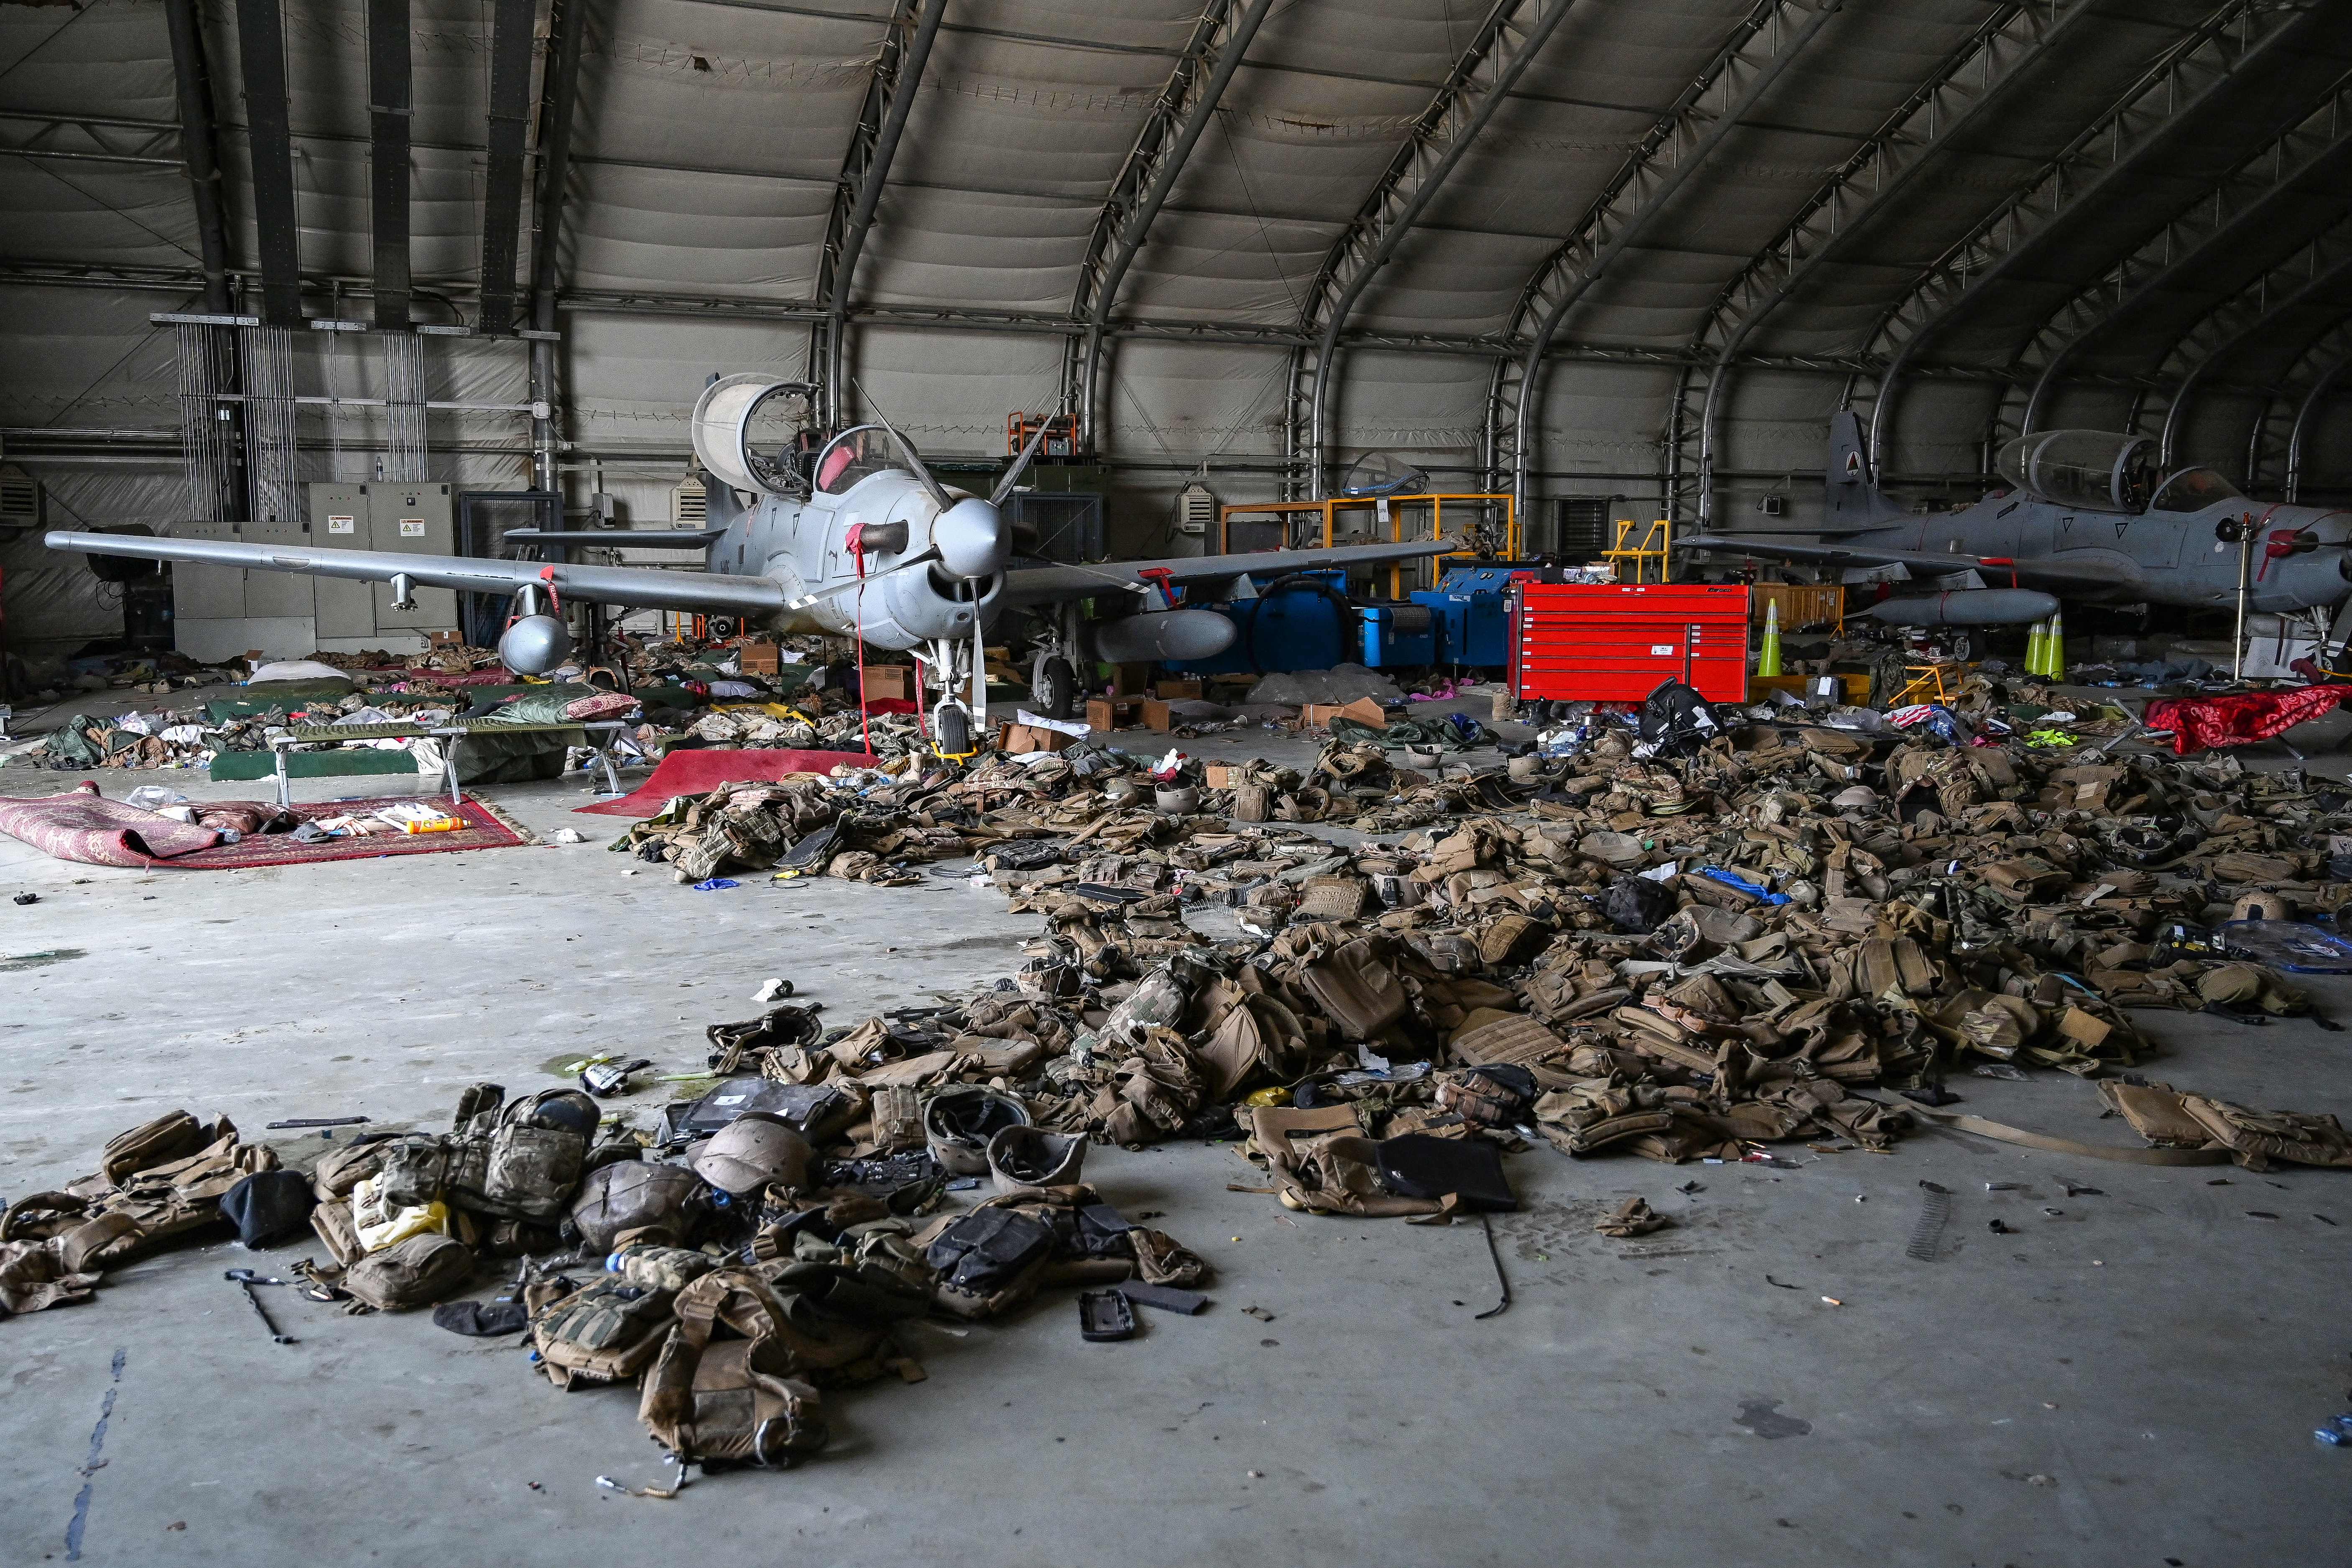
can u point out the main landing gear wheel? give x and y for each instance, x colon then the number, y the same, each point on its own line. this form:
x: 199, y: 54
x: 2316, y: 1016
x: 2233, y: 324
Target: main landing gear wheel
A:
x: 955, y: 732
x: 1054, y: 689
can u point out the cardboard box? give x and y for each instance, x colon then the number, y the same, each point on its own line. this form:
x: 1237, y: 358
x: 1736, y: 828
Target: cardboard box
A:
x: 890, y: 682
x: 1017, y: 739
x: 1363, y: 710
x: 1221, y: 775
x: 1155, y: 715
x: 1176, y: 691
x: 1109, y: 712
x: 759, y: 658
x: 1129, y: 679
x: 441, y: 639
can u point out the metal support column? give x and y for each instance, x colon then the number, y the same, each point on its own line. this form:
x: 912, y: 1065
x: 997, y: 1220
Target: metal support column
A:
x: 871, y: 177
x: 509, y: 124
x: 557, y: 108
x: 388, y: 107
x: 2305, y: 413
x: 199, y: 148
x: 1165, y: 144
x: 1480, y: 83
x: 261, y: 46
x: 1742, y: 71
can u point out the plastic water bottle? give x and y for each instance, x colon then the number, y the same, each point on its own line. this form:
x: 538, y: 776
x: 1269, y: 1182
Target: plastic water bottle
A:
x: 2337, y: 1433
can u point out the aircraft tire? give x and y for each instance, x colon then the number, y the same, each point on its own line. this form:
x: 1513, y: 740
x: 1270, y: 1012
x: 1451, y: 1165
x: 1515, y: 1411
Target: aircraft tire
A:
x: 1056, y: 691
x: 955, y: 732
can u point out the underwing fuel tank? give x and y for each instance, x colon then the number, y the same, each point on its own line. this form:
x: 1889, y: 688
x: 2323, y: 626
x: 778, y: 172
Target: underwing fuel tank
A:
x: 1163, y: 635
x: 535, y: 645
x: 1966, y: 607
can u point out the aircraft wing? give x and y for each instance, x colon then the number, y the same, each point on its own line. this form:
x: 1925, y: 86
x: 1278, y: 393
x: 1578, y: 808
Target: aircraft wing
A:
x: 643, y: 587
x: 620, y: 538
x: 2039, y: 572
x: 1040, y: 585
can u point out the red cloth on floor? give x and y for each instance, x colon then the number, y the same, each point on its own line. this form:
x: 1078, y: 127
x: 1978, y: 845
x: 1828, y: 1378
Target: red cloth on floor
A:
x: 2241, y: 719
x: 700, y: 771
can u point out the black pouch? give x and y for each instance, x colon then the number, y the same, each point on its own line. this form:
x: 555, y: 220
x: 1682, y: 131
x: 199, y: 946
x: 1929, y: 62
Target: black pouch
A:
x: 815, y: 1111
x: 270, y: 1206
x: 987, y: 1249
x: 1637, y: 906
x: 810, y: 850
x: 1677, y: 719
x: 1101, y: 1232
x: 1418, y: 1165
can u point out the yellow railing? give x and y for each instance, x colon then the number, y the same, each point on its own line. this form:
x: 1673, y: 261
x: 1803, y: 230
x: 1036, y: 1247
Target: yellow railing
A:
x: 1634, y: 563
x: 1392, y: 508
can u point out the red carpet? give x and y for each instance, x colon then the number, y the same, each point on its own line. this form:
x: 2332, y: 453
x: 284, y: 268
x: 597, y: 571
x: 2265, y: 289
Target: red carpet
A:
x: 700, y: 771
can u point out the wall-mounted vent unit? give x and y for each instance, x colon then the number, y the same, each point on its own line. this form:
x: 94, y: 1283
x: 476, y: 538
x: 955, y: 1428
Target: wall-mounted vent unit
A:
x: 1196, y: 511
x: 22, y: 502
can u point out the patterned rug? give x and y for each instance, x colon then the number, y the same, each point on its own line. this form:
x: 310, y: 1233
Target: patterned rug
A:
x: 83, y: 827
x: 487, y: 827
x: 86, y: 828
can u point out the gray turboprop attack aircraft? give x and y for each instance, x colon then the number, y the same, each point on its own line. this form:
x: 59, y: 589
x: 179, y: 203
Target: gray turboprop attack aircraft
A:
x: 2087, y: 515
x: 858, y: 540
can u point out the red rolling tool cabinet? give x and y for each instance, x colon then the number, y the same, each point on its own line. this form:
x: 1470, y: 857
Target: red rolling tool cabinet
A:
x: 1616, y: 642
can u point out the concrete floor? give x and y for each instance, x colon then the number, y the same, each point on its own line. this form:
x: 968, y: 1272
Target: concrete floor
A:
x: 2130, y: 1381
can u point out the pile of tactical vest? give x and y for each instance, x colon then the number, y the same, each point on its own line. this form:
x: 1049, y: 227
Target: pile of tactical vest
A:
x: 1678, y: 951
x: 884, y: 825
x: 777, y: 1255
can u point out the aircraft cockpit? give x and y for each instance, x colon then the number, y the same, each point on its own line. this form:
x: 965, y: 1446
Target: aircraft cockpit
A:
x: 2194, y: 490
x: 2091, y: 470
x: 852, y: 456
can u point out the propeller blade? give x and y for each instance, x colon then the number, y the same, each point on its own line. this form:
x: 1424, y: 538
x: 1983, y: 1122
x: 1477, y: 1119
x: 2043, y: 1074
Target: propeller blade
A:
x: 853, y: 583
x: 1013, y: 475
x: 907, y: 450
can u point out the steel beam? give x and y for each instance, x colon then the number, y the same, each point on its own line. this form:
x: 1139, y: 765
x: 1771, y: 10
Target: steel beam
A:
x: 2285, y: 403
x: 198, y: 147
x: 2178, y: 86
x: 2321, y: 276
x: 261, y: 47
x: 1742, y: 70
x: 1161, y: 150
x: 511, y: 22
x: 2252, y: 195
x: 2305, y: 414
x: 558, y: 99
x: 1970, y: 84
x: 86, y: 140
x: 889, y: 100
x: 1506, y: 44
x: 388, y: 107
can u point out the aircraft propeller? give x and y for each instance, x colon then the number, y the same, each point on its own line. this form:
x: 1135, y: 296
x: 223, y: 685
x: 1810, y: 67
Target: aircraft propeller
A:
x: 1013, y: 475
x: 933, y: 486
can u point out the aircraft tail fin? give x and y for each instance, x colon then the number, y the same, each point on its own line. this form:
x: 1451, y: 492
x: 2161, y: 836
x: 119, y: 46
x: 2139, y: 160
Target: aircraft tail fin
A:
x: 1853, y: 499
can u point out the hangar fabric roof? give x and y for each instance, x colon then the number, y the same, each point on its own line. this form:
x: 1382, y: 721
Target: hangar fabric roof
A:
x: 1686, y: 230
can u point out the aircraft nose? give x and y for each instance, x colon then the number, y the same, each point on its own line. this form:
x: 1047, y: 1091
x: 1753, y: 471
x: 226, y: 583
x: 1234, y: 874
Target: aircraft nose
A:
x: 972, y: 540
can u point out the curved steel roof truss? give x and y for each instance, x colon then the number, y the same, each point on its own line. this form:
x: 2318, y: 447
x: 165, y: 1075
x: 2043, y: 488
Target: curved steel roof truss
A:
x: 1750, y: 60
